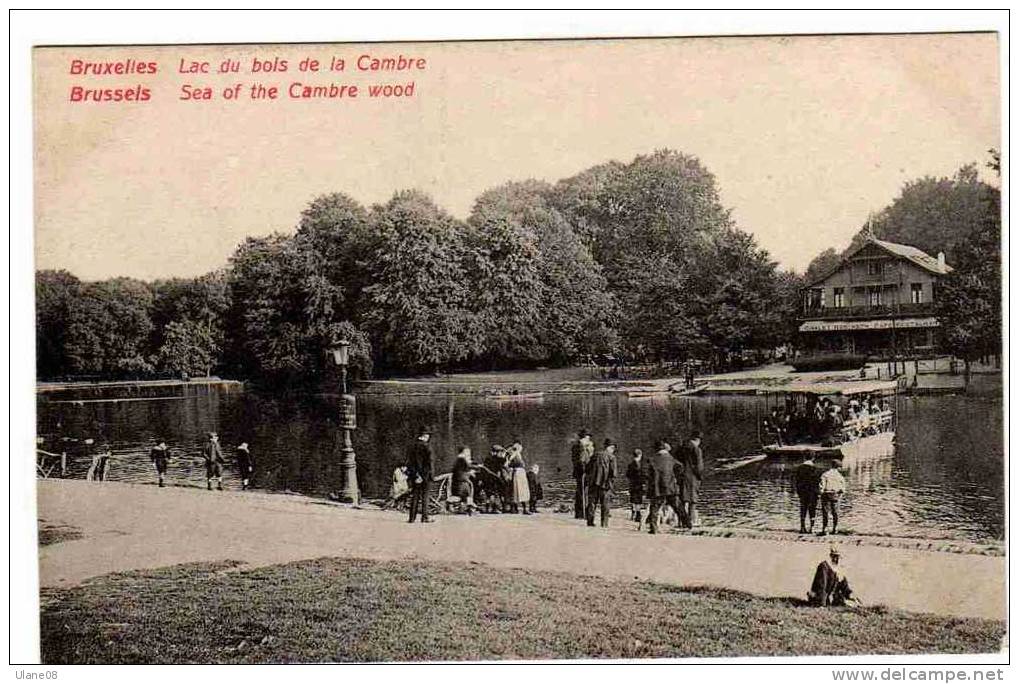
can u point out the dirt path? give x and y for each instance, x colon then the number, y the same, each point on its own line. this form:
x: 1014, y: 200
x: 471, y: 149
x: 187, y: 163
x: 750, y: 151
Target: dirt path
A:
x: 136, y: 526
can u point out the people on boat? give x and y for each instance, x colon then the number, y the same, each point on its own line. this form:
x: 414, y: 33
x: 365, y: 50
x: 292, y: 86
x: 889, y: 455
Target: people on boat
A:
x: 601, y: 470
x: 662, y: 487
x: 635, y: 473
x: 520, y: 492
x: 830, y: 587
x: 419, y: 473
x: 212, y: 453
x: 534, y: 484
x: 160, y: 457
x: 245, y: 464
x: 581, y: 451
x: 830, y: 489
x: 692, y: 458
x: 463, y: 479
x: 806, y: 479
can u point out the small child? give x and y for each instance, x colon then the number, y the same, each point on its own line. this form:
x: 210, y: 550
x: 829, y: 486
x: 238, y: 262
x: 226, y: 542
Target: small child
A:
x: 635, y: 476
x: 534, y: 484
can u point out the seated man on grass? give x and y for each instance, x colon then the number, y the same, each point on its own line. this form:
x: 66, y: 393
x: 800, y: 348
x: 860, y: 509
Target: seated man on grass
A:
x: 830, y: 586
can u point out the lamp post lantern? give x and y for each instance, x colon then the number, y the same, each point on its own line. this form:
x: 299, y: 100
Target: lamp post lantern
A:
x: 339, y: 353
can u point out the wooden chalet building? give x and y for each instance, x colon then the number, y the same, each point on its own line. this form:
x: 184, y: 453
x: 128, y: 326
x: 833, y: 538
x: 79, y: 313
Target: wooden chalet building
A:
x: 878, y: 301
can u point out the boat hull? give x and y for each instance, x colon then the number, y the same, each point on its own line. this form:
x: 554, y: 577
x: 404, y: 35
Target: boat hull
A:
x: 870, y: 447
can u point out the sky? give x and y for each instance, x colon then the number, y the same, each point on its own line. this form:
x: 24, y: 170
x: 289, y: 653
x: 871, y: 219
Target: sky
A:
x: 806, y: 135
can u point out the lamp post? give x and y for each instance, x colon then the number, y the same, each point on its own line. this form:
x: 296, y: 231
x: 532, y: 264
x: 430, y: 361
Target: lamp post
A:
x: 339, y: 352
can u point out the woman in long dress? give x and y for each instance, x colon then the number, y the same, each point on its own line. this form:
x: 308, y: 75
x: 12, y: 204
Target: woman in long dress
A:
x: 520, y: 492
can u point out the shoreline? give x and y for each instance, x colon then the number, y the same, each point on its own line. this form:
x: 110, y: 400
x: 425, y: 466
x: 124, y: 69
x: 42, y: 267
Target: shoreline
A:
x: 132, y: 527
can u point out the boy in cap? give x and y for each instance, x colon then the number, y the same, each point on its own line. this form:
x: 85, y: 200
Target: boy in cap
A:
x: 160, y: 458
x: 831, y: 488
x: 213, y: 455
x: 245, y: 464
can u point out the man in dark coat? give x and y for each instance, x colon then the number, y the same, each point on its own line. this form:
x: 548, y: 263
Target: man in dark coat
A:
x: 601, y: 470
x: 581, y: 452
x: 213, y: 455
x: 662, y: 487
x: 806, y: 479
x: 692, y: 459
x: 419, y: 464
x: 160, y: 456
x: 830, y: 586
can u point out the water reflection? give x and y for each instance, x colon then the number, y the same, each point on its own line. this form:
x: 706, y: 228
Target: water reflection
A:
x: 945, y: 479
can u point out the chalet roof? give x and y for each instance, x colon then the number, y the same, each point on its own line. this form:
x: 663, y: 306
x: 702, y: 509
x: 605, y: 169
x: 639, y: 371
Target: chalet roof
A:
x: 908, y: 252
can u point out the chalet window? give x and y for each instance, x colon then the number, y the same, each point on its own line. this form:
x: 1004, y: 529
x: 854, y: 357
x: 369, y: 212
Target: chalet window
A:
x: 838, y: 298
x: 916, y: 293
x: 874, y: 268
x: 874, y: 296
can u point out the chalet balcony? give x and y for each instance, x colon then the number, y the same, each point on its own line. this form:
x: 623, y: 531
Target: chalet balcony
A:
x: 883, y: 311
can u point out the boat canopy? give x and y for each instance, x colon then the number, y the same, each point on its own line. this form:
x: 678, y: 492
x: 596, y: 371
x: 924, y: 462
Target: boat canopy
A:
x: 844, y: 389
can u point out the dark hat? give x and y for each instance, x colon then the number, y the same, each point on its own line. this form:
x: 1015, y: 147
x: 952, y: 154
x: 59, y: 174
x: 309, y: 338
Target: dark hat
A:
x: 584, y: 432
x: 609, y: 442
x: 424, y: 429
x: 696, y: 434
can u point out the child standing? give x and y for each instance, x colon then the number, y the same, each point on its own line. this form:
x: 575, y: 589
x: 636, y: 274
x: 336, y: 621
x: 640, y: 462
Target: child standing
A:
x: 534, y: 484
x: 635, y: 477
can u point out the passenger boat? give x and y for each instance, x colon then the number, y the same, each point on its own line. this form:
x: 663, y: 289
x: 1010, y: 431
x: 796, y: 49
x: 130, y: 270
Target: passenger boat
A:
x: 869, y: 436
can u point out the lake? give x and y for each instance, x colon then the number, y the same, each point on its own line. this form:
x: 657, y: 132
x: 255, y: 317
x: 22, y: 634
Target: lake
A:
x: 944, y: 481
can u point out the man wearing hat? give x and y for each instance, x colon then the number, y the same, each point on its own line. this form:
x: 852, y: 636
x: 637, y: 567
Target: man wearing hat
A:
x: 601, y: 470
x: 581, y: 452
x: 419, y: 464
x: 213, y: 455
x: 160, y: 456
x: 830, y: 586
x: 245, y: 464
x: 692, y: 458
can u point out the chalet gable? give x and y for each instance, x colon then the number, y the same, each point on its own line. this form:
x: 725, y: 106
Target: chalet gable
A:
x: 874, y: 248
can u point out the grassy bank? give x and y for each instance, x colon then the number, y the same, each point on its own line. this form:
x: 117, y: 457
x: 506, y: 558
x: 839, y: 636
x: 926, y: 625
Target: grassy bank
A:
x: 355, y: 610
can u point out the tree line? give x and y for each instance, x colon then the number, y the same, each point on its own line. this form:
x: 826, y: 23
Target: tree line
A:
x: 639, y: 260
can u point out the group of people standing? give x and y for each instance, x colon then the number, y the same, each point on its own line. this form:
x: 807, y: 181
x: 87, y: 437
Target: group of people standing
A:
x: 662, y: 480
x: 212, y: 455
x: 503, y: 483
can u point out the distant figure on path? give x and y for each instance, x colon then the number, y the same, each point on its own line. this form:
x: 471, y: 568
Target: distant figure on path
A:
x: 831, y: 488
x: 807, y: 479
x: 601, y: 470
x: 662, y: 487
x: 419, y: 464
x: 245, y: 464
x: 581, y: 452
x: 160, y: 456
x: 534, y: 484
x: 213, y: 455
x: 635, y: 473
x: 830, y: 586
x: 692, y: 459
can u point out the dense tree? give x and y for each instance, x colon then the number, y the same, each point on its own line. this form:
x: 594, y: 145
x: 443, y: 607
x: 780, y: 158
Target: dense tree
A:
x: 969, y: 298
x: 55, y: 295
x: 189, y: 348
x: 542, y: 295
x: 420, y: 307
x: 284, y: 309
x: 933, y: 214
x: 822, y: 264
x: 109, y: 328
x: 198, y: 305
